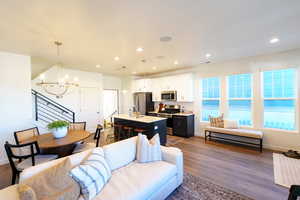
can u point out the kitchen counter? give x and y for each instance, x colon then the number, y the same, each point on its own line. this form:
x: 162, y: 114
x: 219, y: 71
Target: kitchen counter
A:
x: 150, y: 125
x: 142, y: 118
x: 177, y: 114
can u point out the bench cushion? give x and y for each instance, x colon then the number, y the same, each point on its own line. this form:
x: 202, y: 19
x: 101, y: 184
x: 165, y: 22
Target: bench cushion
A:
x: 239, y: 132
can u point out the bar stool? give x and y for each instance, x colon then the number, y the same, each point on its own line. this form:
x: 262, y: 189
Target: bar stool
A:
x: 139, y: 130
x: 118, y: 131
x: 128, y: 131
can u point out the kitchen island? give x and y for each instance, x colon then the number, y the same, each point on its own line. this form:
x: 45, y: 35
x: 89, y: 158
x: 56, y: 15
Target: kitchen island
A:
x: 151, y: 125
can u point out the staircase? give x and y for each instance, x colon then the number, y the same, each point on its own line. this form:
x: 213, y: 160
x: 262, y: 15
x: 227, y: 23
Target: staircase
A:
x: 46, y: 110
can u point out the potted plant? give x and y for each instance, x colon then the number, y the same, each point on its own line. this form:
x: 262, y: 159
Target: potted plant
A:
x: 59, y: 128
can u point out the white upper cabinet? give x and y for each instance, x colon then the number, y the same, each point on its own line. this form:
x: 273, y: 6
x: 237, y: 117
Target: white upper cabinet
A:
x: 183, y: 84
x: 185, y: 88
x: 142, y: 85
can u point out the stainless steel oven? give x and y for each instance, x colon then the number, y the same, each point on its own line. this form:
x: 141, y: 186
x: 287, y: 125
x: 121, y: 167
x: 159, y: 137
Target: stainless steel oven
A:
x: 169, y: 96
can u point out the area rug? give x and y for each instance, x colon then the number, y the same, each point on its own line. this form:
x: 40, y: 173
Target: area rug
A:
x: 286, y: 170
x: 196, y: 188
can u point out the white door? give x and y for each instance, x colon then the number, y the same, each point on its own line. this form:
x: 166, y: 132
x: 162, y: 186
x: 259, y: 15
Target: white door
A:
x: 90, y: 100
x: 110, y: 103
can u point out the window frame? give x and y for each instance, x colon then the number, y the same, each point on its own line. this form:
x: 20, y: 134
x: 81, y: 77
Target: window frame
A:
x: 212, y: 99
x: 251, y: 98
x: 296, y: 99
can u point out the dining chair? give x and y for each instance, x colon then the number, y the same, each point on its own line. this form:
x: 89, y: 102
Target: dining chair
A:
x: 89, y: 145
x: 23, y: 135
x: 32, y: 158
x: 77, y: 126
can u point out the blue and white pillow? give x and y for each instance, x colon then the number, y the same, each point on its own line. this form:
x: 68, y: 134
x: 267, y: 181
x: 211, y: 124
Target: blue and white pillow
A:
x: 92, y: 174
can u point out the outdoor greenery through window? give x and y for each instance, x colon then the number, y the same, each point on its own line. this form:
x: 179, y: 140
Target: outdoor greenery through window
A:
x: 210, y: 97
x: 240, y: 98
x: 279, y: 99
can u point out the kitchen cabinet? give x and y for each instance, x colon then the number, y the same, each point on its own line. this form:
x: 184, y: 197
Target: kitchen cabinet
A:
x: 142, y: 85
x: 185, y: 88
x: 183, y: 84
x: 183, y: 125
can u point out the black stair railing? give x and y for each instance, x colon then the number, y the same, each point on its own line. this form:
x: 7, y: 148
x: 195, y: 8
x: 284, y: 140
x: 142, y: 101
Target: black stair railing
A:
x: 47, y: 110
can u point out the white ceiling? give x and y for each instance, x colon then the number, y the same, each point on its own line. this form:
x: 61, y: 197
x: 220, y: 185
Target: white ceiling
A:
x: 95, y: 31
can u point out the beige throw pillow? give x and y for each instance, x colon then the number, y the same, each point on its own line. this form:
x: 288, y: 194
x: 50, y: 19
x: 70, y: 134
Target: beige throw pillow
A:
x: 54, y: 183
x: 148, y: 150
x: 230, y: 124
x: 217, y: 121
x: 26, y: 192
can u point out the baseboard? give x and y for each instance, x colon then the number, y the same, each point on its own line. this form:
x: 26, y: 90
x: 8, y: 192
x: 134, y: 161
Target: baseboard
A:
x: 3, y: 161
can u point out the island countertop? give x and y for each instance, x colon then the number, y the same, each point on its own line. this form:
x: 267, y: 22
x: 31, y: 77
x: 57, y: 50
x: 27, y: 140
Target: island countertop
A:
x: 142, y: 118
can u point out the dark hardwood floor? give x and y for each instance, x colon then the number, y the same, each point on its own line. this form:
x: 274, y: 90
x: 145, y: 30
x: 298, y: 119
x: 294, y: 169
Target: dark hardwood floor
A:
x: 241, y: 169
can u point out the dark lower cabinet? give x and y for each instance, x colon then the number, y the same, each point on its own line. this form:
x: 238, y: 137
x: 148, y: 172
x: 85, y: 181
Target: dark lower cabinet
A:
x: 183, y: 126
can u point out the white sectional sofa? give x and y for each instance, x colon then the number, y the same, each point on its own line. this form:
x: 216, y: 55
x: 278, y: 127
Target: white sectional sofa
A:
x: 130, y: 180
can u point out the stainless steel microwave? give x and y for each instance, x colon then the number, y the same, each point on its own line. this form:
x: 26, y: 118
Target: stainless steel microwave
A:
x: 169, y: 96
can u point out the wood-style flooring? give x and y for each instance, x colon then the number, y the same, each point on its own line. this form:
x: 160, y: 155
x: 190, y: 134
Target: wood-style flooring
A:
x: 241, y: 169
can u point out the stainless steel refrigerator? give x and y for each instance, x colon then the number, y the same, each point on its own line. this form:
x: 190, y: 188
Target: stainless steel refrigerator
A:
x: 143, y: 102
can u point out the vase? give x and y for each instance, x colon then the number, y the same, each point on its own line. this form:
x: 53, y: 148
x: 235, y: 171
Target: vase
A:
x: 60, y: 132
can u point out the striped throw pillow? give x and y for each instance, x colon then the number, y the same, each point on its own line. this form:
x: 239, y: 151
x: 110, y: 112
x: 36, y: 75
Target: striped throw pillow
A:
x: 92, y: 174
x: 217, y: 121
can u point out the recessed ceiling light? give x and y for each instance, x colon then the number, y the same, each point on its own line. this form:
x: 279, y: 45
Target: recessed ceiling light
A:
x: 154, y: 67
x: 133, y: 72
x: 116, y: 58
x: 274, y: 40
x: 208, y: 55
x: 140, y: 49
x: 165, y: 39
x: 98, y: 66
x: 175, y: 62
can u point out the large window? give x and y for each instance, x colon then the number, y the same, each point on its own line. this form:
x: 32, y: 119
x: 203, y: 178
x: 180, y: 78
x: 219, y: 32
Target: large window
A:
x: 240, y: 98
x: 210, y: 97
x: 279, y: 91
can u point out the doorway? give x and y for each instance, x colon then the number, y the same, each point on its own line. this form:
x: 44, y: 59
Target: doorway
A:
x: 110, y: 103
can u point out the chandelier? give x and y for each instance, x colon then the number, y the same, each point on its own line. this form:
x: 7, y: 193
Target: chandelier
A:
x: 61, y: 86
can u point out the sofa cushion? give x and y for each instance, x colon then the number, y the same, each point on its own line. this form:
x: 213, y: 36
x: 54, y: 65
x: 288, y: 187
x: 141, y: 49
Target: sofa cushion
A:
x: 239, y: 132
x: 92, y: 174
x: 137, y: 181
x: 120, y: 153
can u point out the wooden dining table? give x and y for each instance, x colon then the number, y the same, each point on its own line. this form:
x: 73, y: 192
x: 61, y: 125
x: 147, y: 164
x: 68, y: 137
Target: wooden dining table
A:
x: 61, y: 146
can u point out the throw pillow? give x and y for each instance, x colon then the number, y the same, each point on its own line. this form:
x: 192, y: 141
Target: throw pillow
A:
x: 217, y: 121
x: 148, y: 151
x: 231, y: 124
x: 92, y: 174
x: 54, y: 183
x: 26, y: 192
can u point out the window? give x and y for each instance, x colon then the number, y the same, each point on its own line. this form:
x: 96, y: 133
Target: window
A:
x: 240, y: 98
x: 279, y: 94
x: 210, y: 97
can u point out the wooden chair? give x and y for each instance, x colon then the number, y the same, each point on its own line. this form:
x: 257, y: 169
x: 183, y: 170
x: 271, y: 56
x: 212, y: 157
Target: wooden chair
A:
x: 77, y: 126
x: 86, y: 146
x: 32, y: 157
x: 23, y: 135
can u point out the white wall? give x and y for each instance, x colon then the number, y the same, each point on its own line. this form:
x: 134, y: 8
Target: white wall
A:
x: 15, y: 100
x: 85, y: 101
x: 273, y: 139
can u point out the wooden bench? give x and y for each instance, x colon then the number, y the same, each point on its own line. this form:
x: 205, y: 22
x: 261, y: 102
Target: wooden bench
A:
x: 244, y: 133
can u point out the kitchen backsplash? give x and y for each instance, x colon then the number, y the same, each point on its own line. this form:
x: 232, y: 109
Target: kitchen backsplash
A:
x: 186, y: 106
